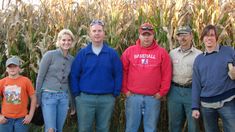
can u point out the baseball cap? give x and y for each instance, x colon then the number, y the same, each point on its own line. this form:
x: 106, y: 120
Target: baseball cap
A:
x: 146, y: 28
x: 183, y: 30
x: 13, y: 60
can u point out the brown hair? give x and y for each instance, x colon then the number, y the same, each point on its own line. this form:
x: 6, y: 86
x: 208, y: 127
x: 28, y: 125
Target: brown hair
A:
x: 207, y: 29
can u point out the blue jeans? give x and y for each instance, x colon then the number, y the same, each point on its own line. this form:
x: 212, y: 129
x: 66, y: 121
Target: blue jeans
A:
x: 138, y: 106
x: 14, y: 125
x: 179, y: 102
x: 226, y: 113
x: 54, y: 108
x: 98, y: 108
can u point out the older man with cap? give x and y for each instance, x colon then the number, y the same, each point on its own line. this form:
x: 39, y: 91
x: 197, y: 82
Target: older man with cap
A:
x: 147, y: 76
x: 179, y: 97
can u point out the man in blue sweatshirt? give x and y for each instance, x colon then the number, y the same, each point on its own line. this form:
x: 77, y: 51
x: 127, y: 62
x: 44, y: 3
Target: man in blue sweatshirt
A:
x: 213, y: 88
x: 96, y: 79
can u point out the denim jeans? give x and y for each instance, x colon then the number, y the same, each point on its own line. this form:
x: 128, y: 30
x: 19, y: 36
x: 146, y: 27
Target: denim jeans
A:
x: 94, y: 108
x: 138, y: 106
x: 54, y: 108
x: 179, y: 102
x: 226, y: 113
x: 14, y: 125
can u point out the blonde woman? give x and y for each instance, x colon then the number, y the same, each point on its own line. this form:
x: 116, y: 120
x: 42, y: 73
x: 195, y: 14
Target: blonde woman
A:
x: 52, y: 82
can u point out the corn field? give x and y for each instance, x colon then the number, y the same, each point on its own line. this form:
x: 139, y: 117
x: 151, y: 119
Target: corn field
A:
x: 30, y: 30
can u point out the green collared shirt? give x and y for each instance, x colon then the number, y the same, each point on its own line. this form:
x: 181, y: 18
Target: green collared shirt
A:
x: 183, y: 64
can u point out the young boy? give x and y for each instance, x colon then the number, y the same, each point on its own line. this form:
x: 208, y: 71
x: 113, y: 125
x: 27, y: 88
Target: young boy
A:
x: 14, y: 92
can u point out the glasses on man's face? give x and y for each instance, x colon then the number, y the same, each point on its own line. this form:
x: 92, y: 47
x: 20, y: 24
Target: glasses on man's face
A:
x: 183, y: 35
x: 146, y: 28
x: 210, y: 35
x: 99, y: 22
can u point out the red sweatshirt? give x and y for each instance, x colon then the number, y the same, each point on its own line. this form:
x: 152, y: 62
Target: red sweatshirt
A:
x: 147, y: 71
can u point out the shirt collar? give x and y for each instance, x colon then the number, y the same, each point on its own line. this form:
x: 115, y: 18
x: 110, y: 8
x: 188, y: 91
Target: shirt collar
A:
x: 189, y: 50
x: 215, y: 51
x: 62, y: 54
x: 89, y: 48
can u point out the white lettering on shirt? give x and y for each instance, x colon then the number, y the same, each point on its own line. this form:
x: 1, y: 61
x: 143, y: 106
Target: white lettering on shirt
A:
x: 145, y: 56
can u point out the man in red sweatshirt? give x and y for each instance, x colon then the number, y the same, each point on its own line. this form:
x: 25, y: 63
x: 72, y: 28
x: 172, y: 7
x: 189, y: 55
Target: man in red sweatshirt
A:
x: 146, y: 79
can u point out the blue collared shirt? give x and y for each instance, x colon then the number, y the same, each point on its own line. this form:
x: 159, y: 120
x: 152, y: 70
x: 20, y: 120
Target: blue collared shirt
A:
x: 96, y: 74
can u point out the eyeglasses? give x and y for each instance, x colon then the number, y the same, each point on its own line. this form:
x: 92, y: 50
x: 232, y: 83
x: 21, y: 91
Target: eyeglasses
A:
x: 146, y: 28
x: 99, y: 22
x: 210, y: 35
x: 183, y: 35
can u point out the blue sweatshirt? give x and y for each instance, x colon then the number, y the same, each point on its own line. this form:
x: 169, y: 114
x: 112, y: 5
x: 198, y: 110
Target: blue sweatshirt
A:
x: 211, y: 82
x: 94, y: 74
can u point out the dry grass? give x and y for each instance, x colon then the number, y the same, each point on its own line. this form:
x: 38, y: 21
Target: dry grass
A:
x: 29, y: 32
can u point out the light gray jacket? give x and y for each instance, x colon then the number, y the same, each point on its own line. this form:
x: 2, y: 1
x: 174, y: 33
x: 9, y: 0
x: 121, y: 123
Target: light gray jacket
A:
x: 53, y: 72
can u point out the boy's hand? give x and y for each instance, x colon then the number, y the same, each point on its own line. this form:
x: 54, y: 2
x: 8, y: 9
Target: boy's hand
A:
x: 37, y: 105
x: 2, y: 119
x: 27, y: 119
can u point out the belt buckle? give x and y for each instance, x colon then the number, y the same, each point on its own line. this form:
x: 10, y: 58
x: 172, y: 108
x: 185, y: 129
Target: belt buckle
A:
x: 187, y: 85
x: 182, y: 86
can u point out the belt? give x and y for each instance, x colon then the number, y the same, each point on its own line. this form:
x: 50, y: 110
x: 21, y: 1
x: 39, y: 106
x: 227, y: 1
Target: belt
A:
x: 182, y: 86
x: 96, y: 93
x: 53, y: 91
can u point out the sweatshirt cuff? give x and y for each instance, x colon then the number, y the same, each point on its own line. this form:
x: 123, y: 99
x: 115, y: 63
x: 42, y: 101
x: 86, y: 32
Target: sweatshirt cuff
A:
x: 76, y: 94
x: 115, y: 94
x: 195, y: 108
x: 124, y: 91
x: 161, y: 94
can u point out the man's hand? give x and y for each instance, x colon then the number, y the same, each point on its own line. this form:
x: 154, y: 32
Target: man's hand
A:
x: 128, y: 94
x: 157, y: 96
x: 72, y: 111
x: 196, y: 114
x: 2, y: 119
x: 231, y: 71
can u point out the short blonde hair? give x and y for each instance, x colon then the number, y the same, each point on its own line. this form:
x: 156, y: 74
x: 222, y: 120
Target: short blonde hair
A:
x: 63, y: 32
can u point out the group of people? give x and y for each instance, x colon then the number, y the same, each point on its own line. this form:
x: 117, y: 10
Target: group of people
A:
x: 195, y: 83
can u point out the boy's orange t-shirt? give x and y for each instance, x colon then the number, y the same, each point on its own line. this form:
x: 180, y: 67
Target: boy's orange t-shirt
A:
x: 15, y: 94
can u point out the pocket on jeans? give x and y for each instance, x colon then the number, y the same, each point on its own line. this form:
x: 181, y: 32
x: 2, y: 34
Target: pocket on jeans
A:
x: 48, y: 98
x: 112, y: 97
x: 77, y: 97
x: 46, y: 95
x: 65, y: 95
x: 127, y: 97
